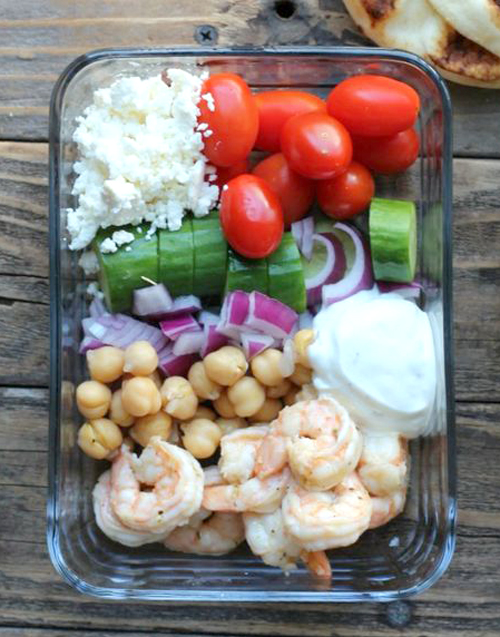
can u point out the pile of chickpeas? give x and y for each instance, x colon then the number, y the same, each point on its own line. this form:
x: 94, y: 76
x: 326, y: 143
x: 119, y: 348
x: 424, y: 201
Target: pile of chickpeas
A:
x: 126, y: 400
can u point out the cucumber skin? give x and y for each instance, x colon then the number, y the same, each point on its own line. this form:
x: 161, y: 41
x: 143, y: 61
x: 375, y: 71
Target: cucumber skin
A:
x: 393, y: 239
x: 210, y: 256
x: 176, y: 259
x: 120, y: 272
x: 246, y: 274
x: 286, y: 275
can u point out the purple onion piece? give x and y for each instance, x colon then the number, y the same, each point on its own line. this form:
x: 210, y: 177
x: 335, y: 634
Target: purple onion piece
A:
x: 172, y: 328
x: 270, y: 316
x: 152, y: 302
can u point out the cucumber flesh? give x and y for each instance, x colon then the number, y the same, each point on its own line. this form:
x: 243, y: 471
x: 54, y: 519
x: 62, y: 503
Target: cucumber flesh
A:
x: 393, y: 239
x: 286, y: 274
x: 210, y: 256
x: 121, y: 272
x: 246, y: 274
x: 176, y: 259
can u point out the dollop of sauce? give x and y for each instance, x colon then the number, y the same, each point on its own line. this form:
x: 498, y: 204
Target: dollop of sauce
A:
x: 374, y: 353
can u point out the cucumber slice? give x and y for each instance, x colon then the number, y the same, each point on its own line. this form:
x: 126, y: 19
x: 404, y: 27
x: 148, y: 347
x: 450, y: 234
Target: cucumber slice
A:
x: 176, y: 259
x: 210, y: 255
x: 393, y: 239
x: 121, y: 272
x: 286, y: 276
x: 246, y: 274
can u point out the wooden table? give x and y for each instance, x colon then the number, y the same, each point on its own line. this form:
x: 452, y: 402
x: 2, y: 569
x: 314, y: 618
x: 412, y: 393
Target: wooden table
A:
x: 37, y: 40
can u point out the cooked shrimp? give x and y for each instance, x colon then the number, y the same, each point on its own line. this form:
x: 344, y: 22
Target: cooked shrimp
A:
x: 238, y: 451
x: 319, y: 440
x: 320, y: 520
x: 385, y: 508
x: 383, y: 465
x: 218, y: 534
x: 318, y: 564
x: 176, y: 479
x: 109, y: 524
x: 256, y: 495
x: 212, y: 476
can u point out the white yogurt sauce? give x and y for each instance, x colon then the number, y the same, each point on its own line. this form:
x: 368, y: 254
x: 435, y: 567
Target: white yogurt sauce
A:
x: 375, y: 354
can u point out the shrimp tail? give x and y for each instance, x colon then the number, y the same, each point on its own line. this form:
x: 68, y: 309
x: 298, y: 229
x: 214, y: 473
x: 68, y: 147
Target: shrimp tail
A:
x: 317, y: 563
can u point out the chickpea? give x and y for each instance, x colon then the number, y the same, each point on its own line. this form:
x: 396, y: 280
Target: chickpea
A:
x: 291, y: 397
x: 223, y: 406
x: 141, y: 359
x: 205, y: 412
x: 301, y: 375
x: 93, y: 399
x: 269, y: 410
x: 105, y: 364
x: 201, y: 437
x: 301, y: 342
x: 203, y: 387
x: 117, y: 412
x: 228, y: 425
x: 178, y: 398
x: 140, y: 396
x: 266, y: 367
x: 99, y: 437
x: 225, y: 366
x: 145, y: 428
x: 247, y: 396
x: 278, y: 391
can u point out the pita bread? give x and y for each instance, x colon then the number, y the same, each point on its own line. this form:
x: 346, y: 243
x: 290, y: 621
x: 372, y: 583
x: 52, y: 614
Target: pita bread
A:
x: 478, y: 20
x: 414, y: 25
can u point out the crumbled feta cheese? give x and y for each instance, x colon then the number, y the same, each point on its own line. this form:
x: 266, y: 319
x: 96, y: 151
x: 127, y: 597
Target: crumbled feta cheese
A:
x: 94, y: 291
x: 208, y: 133
x: 202, y: 126
x: 88, y: 262
x: 128, y: 248
x: 212, y: 177
x: 209, y: 99
x: 108, y: 246
x: 140, y: 157
x: 121, y: 237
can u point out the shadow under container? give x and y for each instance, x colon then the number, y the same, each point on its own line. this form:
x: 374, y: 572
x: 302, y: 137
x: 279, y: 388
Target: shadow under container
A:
x: 395, y: 561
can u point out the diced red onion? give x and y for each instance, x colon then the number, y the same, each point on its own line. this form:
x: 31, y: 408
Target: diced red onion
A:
x: 254, y: 343
x: 297, y: 231
x: 89, y: 342
x: 406, y: 290
x: 213, y: 339
x: 287, y: 361
x: 152, y: 302
x: 359, y: 277
x: 174, y: 327
x: 189, y: 343
x: 302, y: 232
x: 172, y: 364
x: 208, y: 318
x: 121, y: 331
x: 306, y: 321
x: 270, y: 316
x: 97, y: 308
x: 333, y: 269
x: 188, y: 304
x: 233, y: 313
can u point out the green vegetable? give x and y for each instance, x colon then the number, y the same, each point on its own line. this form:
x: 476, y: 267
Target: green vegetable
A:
x: 210, y: 255
x: 393, y: 239
x: 121, y: 272
x: 246, y: 274
x: 286, y: 275
x: 176, y: 259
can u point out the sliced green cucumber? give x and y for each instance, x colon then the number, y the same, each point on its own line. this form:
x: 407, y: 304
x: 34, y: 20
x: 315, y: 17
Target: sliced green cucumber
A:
x: 393, y: 239
x: 121, y: 272
x: 176, y: 259
x: 286, y: 275
x: 210, y: 255
x: 246, y: 274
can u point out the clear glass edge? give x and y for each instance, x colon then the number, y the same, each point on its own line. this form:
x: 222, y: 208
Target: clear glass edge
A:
x: 55, y: 372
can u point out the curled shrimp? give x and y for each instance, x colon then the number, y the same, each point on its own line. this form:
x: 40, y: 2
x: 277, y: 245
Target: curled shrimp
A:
x: 385, y: 508
x: 217, y: 534
x: 110, y: 524
x: 383, y: 465
x: 318, y: 439
x: 321, y: 520
x: 238, y: 451
x: 175, y: 479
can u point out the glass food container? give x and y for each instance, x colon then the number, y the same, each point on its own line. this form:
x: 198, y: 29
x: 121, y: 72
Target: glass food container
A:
x: 400, y: 559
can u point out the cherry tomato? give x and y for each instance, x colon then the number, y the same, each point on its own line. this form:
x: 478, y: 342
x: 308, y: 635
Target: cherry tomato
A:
x: 316, y: 145
x: 387, y: 155
x: 296, y: 193
x: 348, y: 194
x: 374, y: 105
x: 226, y: 174
x: 232, y: 117
x: 275, y: 108
x: 251, y: 216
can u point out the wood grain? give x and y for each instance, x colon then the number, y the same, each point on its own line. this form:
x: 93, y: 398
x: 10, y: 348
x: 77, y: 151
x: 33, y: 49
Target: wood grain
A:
x: 39, y: 39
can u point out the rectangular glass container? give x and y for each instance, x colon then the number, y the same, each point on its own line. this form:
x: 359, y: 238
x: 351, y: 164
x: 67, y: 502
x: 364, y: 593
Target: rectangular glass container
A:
x: 395, y: 561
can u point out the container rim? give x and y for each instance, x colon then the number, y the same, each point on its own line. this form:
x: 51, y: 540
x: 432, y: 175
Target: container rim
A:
x: 341, y: 52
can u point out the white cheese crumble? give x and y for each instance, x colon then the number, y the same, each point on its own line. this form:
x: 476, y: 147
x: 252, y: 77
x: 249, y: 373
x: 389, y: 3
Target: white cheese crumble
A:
x: 117, y: 239
x: 88, y: 262
x: 140, y: 157
x: 94, y: 291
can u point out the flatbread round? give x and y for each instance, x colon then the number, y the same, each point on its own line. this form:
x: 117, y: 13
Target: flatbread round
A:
x: 478, y: 20
x: 414, y: 25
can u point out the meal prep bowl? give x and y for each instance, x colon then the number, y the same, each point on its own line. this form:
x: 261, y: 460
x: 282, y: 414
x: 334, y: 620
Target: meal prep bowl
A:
x: 400, y: 559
